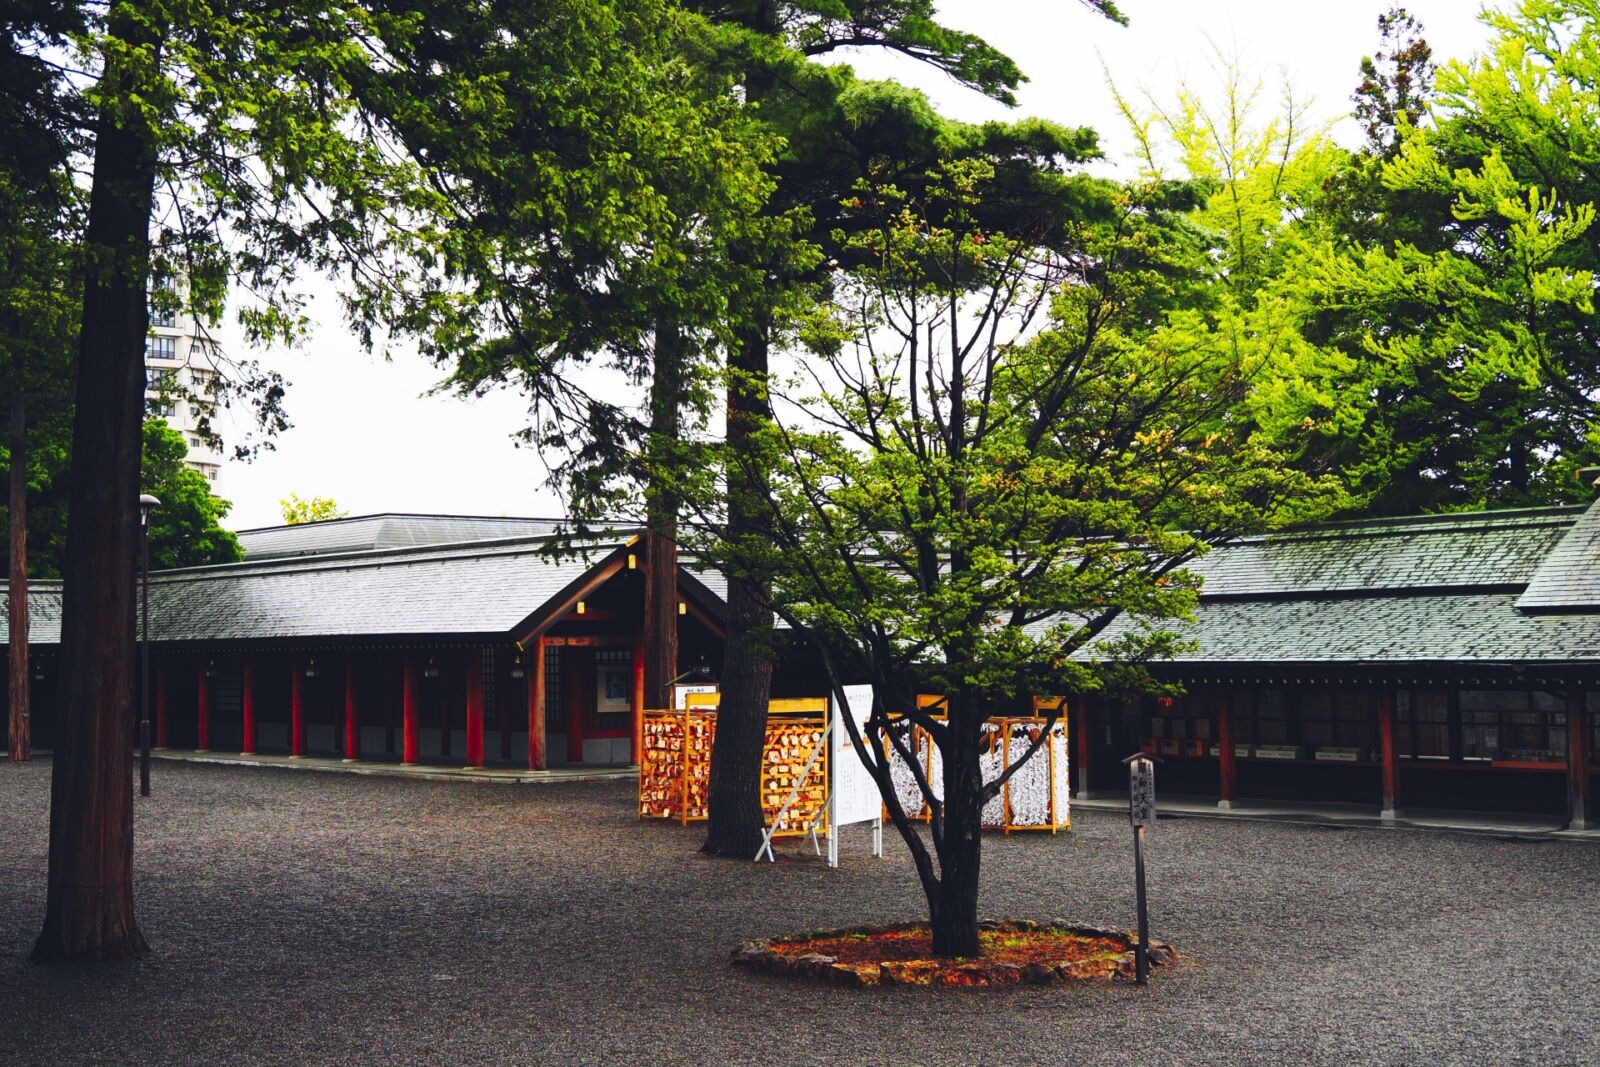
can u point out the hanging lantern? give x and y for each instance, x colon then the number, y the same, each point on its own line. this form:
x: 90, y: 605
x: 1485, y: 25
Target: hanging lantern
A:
x: 517, y: 670
x: 432, y: 669
x: 311, y: 667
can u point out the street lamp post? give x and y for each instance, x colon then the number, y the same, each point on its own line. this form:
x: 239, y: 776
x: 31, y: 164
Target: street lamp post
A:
x: 147, y: 504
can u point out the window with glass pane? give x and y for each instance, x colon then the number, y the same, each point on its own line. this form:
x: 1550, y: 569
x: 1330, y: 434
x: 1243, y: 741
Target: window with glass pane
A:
x: 1352, y: 719
x: 1271, y: 719
x: 1538, y: 732
x: 161, y: 381
x: 1316, y: 718
x: 1424, y: 720
x: 160, y: 348
x: 1480, y: 723
x: 1513, y: 724
x: 157, y: 406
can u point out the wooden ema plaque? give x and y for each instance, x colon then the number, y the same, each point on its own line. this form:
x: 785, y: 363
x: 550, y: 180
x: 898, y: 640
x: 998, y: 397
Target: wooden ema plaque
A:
x: 675, y: 768
x: 1035, y: 798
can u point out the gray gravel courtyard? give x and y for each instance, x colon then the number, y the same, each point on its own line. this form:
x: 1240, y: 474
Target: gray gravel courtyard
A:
x: 329, y: 919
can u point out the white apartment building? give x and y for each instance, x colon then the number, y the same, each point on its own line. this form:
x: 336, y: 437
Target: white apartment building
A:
x: 181, y: 368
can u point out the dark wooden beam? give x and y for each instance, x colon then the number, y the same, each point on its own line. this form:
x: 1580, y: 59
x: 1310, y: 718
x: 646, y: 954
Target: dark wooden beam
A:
x: 1577, y: 762
x: 1227, y: 767
x: 1387, y: 757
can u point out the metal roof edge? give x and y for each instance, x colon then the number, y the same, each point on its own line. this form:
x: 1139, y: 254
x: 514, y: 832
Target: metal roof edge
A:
x: 564, y: 520
x: 1368, y: 593
x: 1550, y: 515
x: 375, y: 556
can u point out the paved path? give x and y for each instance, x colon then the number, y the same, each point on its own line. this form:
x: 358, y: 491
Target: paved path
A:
x: 442, y: 772
x: 337, y: 919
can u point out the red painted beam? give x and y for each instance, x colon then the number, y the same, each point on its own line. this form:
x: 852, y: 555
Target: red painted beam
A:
x: 161, y: 705
x: 202, y: 726
x: 1387, y: 757
x: 352, y: 722
x: 636, y: 735
x: 1577, y: 763
x: 474, y: 708
x: 1227, y: 767
x: 297, y: 707
x: 536, y: 697
x: 410, y: 690
x: 247, y: 700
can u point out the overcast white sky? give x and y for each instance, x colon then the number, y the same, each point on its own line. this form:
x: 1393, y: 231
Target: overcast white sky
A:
x: 365, y: 435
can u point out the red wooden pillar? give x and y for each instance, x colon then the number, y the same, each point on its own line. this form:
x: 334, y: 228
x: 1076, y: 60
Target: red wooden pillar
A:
x: 297, y: 707
x: 1577, y: 763
x: 636, y: 737
x: 202, y: 726
x: 161, y: 705
x: 409, y: 693
x: 247, y: 701
x: 536, y: 683
x: 1227, y: 768
x: 1080, y: 762
x: 352, y: 723
x: 474, y: 708
x: 1388, y: 759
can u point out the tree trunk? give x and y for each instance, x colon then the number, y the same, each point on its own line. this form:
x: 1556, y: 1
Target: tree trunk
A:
x: 953, y: 908
x: 733, y: 802
x: 735, y: 819
x: 89, y: 905
x: 19, y: 734
x: 661, y: 518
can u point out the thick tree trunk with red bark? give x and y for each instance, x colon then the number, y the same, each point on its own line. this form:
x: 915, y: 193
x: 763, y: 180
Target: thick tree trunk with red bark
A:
x: 733, y: 802
x: 19, y: 733
x: 735, y: 819
x: 89, y: 906
x: 661, y: 517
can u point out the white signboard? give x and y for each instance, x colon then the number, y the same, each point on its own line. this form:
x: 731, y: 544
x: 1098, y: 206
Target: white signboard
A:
x: 855, y: 793
x: 853, y: 796
x: 681, y: 693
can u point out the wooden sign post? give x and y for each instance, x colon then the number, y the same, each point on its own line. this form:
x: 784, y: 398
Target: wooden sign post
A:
x: 1141, y: 812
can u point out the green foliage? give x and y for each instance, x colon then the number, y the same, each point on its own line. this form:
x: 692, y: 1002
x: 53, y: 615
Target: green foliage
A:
x: 184, y: 530
x: 313, y: 509
x: 966, y: 501
x: 1454, y: 260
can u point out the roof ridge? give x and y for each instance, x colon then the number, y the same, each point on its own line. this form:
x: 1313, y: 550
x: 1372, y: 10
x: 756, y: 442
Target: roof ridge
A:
x: 402, y: 515
x: 375, y: 557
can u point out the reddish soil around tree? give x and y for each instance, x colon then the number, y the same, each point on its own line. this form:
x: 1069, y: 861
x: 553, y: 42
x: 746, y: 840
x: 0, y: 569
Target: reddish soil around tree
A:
x: 1018, y: 947
x: 1016, y: 951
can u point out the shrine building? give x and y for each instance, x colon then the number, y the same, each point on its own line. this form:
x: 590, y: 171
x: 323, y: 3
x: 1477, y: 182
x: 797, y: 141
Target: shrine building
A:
x: 1441, y: 661
x: 402, y: 638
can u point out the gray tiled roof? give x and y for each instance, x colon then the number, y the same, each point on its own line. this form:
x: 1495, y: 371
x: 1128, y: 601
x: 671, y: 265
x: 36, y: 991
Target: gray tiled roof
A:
x: 1569, y: 577
x: 1459, y: 551
x: 385, y: 531
x: 1464, y: 627
x: 479, y: 588
x: 44, y: 613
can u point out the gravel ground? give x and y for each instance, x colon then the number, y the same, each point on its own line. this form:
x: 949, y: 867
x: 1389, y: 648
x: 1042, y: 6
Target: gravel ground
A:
x: 325, y: 919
